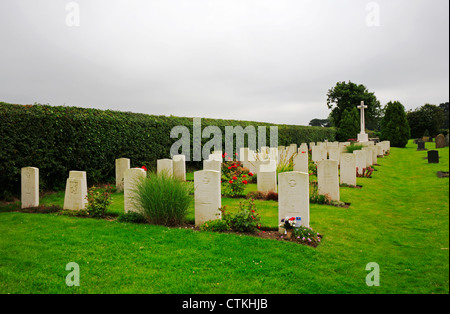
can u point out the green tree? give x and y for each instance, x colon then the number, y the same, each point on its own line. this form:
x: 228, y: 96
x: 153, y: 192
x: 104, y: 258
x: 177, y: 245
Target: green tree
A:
x: 348, y: 96
x: 445, y: 108
x: 394, y: 125
x: 320, y: 122
x: 428, y: 117
x: 350, y: 125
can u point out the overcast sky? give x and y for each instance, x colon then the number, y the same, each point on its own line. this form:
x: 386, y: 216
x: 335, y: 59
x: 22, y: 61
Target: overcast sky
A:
x: 260, y: 60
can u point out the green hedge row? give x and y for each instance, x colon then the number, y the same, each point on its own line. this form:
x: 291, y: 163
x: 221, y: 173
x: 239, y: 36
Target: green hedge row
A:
x: 57, y: 139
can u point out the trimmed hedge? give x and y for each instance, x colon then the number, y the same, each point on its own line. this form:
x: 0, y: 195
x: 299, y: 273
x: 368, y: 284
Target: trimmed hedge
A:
x: 57, y: 139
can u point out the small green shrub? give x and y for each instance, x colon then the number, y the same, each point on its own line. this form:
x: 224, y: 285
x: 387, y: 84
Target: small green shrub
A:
x: 162, y: 199
x: 132, y: 217
x: 217, y: 225
x: 245, y: 220
x: 98, y: 201
x: 352, y: 147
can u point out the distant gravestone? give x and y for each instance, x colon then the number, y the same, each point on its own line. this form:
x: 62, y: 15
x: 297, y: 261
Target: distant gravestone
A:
x: 293, y: 196
x: 207, y: 196
x: 30, y: 187
x: 440, y: 141
x: 333, y: 152
x: 179, y: 167
x: 215, y: 165
x: 301, y: 161
x: 433, y: 157
x: 348, y: 169
x: 318, y: 153
x: 369, y: 155
x: 328, y: 178
x: 122, y: 164
x: 380, y: 150
x: 360, y: 157
x: 76, y: 191
x: 267, y: 180
x: 421, y: 145
x: 164, y: 166
x: 131, y: 179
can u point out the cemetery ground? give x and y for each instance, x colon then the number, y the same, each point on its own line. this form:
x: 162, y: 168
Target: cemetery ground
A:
x: 399, y: 219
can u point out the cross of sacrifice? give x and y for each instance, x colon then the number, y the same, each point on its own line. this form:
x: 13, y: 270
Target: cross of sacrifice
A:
x: 363, y: 125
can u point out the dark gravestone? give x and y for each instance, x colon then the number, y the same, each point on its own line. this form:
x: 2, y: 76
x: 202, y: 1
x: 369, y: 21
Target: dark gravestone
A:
x: 440, y: 141
x: 421, y: 145
x: 433, y: 157
x: 446, y: 140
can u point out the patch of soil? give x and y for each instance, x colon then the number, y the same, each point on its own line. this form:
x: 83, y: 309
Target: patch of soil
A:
x: 442, y: 174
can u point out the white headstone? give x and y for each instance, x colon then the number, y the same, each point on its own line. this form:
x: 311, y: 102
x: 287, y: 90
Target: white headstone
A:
x: 348, y: 169
x: 207, y: 196
x: 318, y: 153
x: 179, y: 167
x: 293, y: 196
x: 215, y: 165
x: 164, y: 166
x: 267, y: 180
x: 76, y: 191
x: 380, y: 150
x: 122, y: 164
x: 333, y: 152
x: 360, y: 157
x: 368, y: 151
x: 328, y: 178
x: 131, y: 178
x: 30, y: 187
x: 301, y: 161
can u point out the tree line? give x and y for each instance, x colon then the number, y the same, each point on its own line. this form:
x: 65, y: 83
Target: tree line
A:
x: 391, y: 122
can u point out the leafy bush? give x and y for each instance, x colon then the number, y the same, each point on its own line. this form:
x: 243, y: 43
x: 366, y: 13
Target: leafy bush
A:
x: 352, y: 147
x: 217, y: 225
x: 245, y: 220
x: 132, y: 217
x: 162, y: 199
x: 234, y: 178
x: 271, y: 196
x: 98, y: 201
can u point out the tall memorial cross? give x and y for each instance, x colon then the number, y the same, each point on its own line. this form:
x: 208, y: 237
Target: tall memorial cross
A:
x: 363, y: 124
x: 362, y: 136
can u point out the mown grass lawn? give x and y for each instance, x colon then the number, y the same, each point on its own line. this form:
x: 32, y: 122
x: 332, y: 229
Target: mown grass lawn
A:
x: 399, y: 219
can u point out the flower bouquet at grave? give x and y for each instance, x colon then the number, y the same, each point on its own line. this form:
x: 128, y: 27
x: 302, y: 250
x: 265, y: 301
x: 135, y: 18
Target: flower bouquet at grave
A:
x: 288, y: 224
x: 234, y: 178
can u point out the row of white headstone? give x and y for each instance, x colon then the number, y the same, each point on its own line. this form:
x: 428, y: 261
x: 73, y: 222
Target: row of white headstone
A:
x: 292, y: 187
x: 293, y: 196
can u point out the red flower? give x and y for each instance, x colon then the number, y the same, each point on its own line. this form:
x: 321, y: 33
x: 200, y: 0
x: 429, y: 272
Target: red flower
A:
x: 229, y: 168
x: 245, y: 182
x: 234, y: 178
x: 244, y: 176
x: 292, y: 218
x: 144, y: 167
x: 233, y: 166
x: 231, y: 181
x: 250, y: 174
x: 225, y: 154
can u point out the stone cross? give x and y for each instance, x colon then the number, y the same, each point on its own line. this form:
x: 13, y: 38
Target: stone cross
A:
x: 363, y: 124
